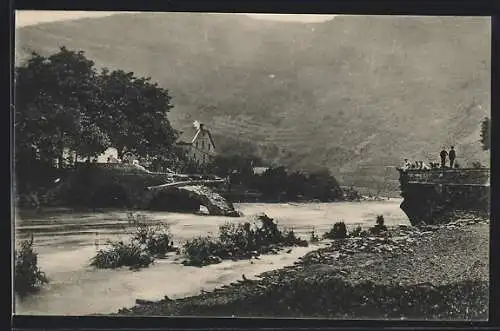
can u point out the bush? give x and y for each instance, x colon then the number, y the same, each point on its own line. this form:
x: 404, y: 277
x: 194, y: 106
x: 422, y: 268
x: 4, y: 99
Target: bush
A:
x: 28, y: 278
x: 157, y: 239
x: 147, y: 242
x: 239, y: 241
x: 313, y: 238
x: 202, y: 251
x: 339, y: 231
x: 356, y: 232
x: 379, y: 228
x: 120, y: 254
x: 290, y: 239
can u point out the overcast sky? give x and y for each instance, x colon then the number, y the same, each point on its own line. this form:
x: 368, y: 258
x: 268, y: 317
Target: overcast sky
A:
x: 32, y: 17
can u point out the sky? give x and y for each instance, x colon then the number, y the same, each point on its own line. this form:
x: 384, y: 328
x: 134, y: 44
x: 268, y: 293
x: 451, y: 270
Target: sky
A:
x: 32, y: 17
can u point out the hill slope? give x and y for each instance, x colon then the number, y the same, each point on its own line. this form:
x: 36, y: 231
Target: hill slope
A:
x: 353, y: 94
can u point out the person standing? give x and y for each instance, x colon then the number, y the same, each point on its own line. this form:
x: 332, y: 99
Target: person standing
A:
x: 451, y: 156
x: 443, y: 155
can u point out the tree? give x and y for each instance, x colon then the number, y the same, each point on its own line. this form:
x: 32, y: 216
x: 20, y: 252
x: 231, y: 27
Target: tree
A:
x: 133, y: 111
x: 52, y: 95
x: 296, y: 185
x: 323, y: 186
x: 272, y: 183
x: 485, y: 133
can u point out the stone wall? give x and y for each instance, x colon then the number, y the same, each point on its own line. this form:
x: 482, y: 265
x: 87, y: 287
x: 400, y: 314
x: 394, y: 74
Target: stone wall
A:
x: 433, y: 196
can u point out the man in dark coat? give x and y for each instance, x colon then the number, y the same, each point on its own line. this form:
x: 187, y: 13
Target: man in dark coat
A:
x: 443, y: 155
x: 451, y: 156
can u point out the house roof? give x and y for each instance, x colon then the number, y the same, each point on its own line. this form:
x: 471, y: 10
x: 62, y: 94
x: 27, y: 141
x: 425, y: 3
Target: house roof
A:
x: 189, y: 134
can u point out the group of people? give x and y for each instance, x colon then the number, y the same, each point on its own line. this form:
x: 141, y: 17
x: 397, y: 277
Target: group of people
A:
x: 444, y: 155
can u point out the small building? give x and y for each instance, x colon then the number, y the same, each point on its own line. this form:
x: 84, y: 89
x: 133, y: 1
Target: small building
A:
x: 198, y: 144
x: 259, y: 170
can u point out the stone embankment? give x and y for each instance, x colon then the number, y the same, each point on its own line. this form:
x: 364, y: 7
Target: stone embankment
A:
x: 431, y: 272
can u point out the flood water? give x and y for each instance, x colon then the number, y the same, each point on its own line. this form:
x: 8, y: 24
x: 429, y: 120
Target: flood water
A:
x: 66, y: 241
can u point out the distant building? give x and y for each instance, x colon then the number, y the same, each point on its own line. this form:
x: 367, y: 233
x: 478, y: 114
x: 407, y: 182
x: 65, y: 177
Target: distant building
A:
x: 259, y: 170
x: 198, y: 144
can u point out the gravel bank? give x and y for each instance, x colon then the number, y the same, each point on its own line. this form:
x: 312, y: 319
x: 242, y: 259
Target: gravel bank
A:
x: 427, y: 273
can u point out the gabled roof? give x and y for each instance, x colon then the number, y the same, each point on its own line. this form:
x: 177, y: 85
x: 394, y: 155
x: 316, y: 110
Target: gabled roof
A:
x: 189, y: 135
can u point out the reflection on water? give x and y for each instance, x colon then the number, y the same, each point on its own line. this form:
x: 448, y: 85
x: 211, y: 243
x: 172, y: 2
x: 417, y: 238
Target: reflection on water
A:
x: 66, y: 241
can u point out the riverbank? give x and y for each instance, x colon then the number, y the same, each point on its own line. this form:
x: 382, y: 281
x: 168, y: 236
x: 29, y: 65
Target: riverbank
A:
x: 418, y: 273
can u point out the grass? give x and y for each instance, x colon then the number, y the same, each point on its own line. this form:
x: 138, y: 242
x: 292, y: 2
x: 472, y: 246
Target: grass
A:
x: 28, y: 278
x: 240, y: 241
x: 147, y: 242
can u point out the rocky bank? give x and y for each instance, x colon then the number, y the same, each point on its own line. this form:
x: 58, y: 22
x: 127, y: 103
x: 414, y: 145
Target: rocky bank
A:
x: 430, y: 272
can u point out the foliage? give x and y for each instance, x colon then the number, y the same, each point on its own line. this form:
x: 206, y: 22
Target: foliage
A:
x: 134, y: 113
x: 147, y: 242
x: 276, y: 184
x: 121, y: 254
x: 356, y: 232
x: 63, y: 103
x: 350, y: 194
x: 155, y: 238
x: 338, y: 231
x: 201, y: 251
x: 314, y: 238
x: 379, y: 228
x: 239, y: 241
x: 486, y: 133
x: 28, y: 278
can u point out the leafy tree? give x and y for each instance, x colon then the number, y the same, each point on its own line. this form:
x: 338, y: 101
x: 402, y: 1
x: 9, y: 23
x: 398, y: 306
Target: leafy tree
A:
x: 485, y: 133
x: 272, y: 182
x: 296, y: 185
x: 134, y: 114
x: 323, y: 186
x: 52, y: 94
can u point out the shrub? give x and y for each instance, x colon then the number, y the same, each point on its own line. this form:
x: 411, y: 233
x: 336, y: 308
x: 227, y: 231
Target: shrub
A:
x: 339, y: 231
x: 147, y: 242
x: 290, y: 239
x: 356, y: 232
x: 239, y: 241
x: 379, y: 228
x: 157, y: 239
x: 28, y: 278
x: 313, y: 238
x: 120, y: 254
x: 202, y: 251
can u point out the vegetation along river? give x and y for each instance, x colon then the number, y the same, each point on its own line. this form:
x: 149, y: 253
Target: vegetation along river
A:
x: 65, y: 241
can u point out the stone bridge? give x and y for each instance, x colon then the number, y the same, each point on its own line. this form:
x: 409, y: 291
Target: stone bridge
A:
x: 127, y: 185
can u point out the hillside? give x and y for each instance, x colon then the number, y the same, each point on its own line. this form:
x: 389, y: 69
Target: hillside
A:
x: 353, y: 94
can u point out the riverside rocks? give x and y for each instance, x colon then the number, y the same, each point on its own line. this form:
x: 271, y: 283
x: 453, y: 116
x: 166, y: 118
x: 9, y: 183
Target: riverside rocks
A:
x: 425, y: 274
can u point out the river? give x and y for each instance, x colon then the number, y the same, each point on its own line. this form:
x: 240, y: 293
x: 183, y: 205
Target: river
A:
x: 66, y: 241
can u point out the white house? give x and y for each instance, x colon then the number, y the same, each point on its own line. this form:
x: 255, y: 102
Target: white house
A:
x: 198, y: 143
